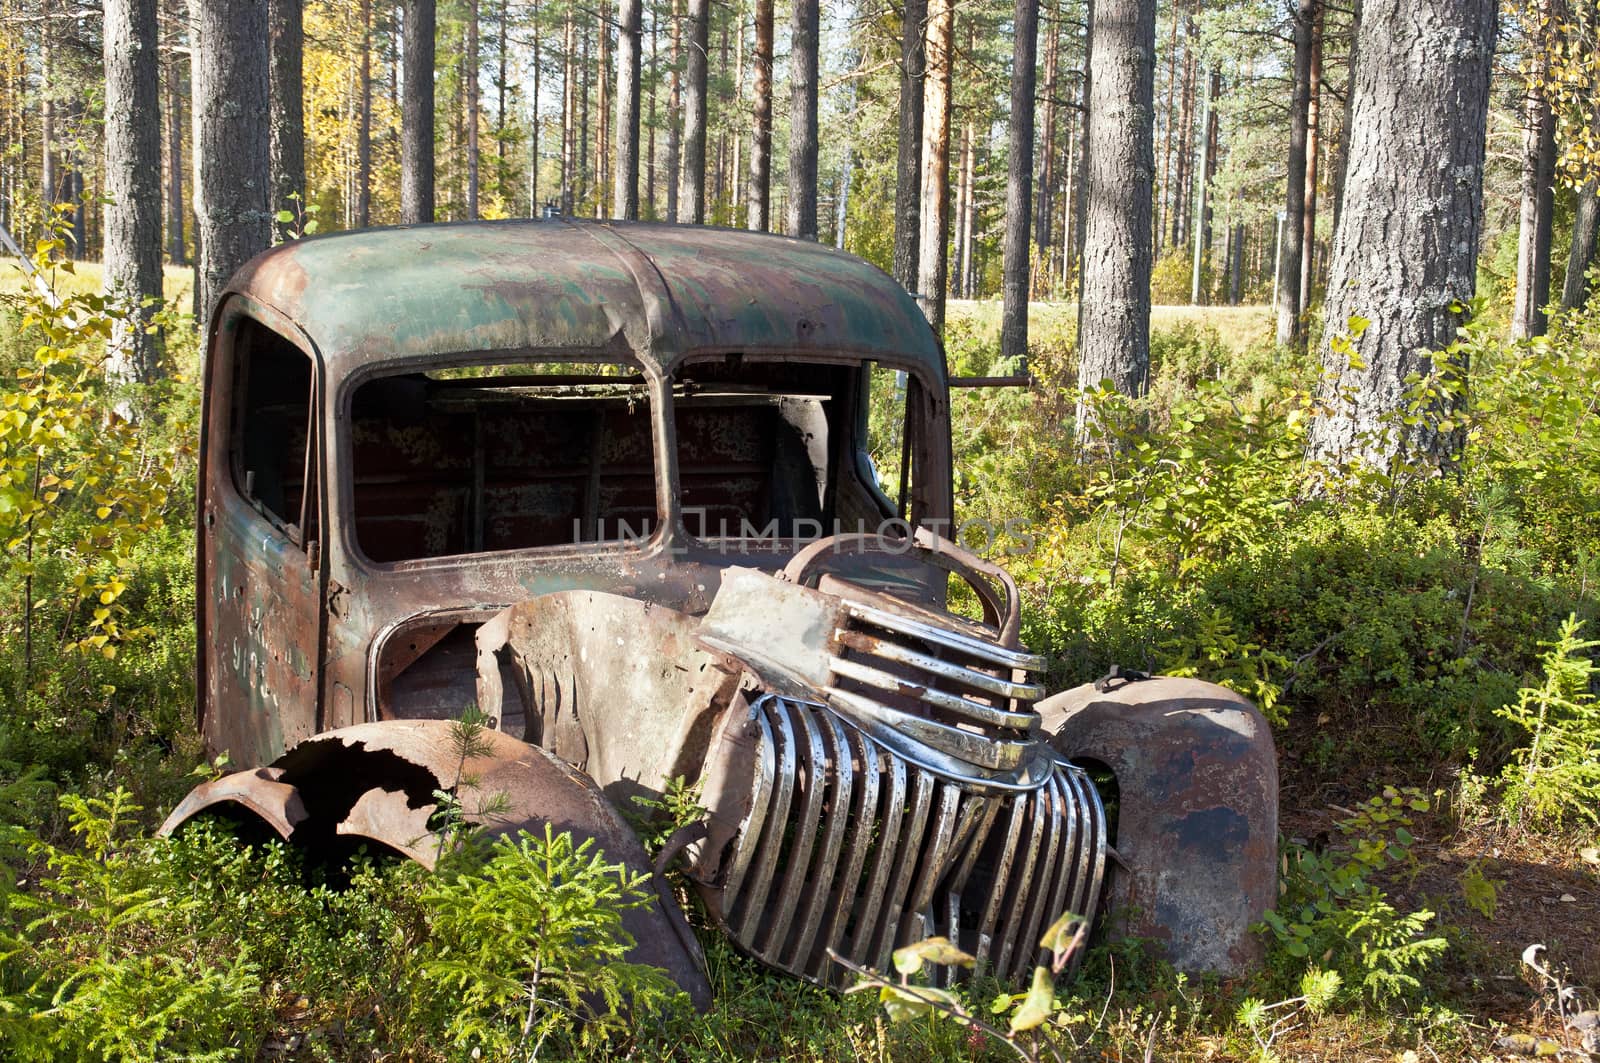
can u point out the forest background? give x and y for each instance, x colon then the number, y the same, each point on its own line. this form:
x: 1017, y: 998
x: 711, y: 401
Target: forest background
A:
x: 1317, y: 421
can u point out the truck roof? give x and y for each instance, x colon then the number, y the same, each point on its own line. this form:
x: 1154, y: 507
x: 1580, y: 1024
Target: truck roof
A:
x: 657, y: 290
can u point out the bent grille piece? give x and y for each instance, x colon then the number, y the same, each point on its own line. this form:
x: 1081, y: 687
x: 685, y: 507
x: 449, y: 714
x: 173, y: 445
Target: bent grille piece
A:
x: 954, y: 692
x: 851, y: 847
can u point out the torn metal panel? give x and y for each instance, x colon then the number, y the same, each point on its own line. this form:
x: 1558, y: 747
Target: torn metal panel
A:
x: 376, y: 783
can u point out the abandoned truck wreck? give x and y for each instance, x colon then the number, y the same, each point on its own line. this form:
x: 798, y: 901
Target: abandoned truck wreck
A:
x: 673, y: 502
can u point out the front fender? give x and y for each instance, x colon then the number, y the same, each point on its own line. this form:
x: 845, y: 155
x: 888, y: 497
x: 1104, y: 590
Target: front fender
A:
x: 1197, y: 820
x: 376, y: 782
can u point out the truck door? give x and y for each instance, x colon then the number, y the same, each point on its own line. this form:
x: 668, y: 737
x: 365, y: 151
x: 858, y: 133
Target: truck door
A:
x: 260, y: 582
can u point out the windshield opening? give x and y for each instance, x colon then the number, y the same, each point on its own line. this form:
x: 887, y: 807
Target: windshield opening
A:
x: 503, y: 456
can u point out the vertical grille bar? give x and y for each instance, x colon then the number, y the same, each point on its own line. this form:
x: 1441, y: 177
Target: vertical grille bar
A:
x: 777, y: 823
x: 826, y: 859
x: 812, y: 789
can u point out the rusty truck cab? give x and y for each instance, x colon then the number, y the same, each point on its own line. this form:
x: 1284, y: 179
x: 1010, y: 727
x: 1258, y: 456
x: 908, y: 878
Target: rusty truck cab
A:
x: 406, y: 431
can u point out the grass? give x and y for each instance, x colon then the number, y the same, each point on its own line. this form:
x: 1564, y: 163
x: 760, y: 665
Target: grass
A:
x: 1240, y: 327
x: 178, y: 281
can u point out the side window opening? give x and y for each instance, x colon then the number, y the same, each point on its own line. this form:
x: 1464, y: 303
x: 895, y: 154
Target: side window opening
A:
x: 513, y: 455
x: 889, y: 435
x: 274, y: 467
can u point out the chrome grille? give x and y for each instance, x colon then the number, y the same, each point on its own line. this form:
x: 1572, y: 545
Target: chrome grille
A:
x: 954, y: 692
x: 851, y: 847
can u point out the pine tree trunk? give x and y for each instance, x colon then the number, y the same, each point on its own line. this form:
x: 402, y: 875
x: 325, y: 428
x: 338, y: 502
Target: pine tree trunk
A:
x: 581, y: 135
x: 602, y: 130
x: 534, y: 124
x: 1343, y: 157
x: 49, y: 179
x: 650, y: 121
x: 1042, y: 204
x: 1585, y: 230
x: 933, y: 262
x: 232, y: 143
x: 1019, y: 184
x: 908, y: 157
x: 803, y: 42
x: 1164, y: 199
x: 674, y: 114
x: 760, y: 208
x: 174, y: 121
x: 288, y: 134
x: 1290, y: 330
x: 133, y: 181
x: 967, y: 263
x: 500, y: 102
x: 1406, y: 249
x: 1538, y: 196
x: 416, y: 123
x: 630, y: 40
x: 569, y: 111
x: 963, y: 246
x: 736, y: 167
x: 363, y: 214
x: 474, y: 108
x: 1114, y: 312
x: 692, y: 181
x: 1180, y: 196
x: 1308, y: 241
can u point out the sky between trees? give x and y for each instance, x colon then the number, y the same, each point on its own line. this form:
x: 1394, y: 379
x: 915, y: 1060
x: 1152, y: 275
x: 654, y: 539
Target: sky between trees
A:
x: 1402, y: 156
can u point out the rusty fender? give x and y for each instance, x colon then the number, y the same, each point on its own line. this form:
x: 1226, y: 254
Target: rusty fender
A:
x: 376, y: 782
x: 1197, y: 826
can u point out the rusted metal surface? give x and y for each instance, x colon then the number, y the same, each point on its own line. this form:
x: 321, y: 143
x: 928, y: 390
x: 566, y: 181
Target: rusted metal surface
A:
x: 664, y: 290
x: 375, y: 783
x: 1197, y: 817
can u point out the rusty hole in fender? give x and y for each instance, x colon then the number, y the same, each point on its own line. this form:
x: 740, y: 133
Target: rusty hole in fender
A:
x: 427, y: 670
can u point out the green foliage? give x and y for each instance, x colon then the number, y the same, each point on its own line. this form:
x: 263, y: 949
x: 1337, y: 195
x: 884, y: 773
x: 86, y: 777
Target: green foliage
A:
x: 1332, y: 909
x: 1556, y: 776
x: 532, y: 947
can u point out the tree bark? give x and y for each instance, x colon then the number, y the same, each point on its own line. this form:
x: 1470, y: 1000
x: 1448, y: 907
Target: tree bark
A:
x: 288, y: 135
x: 364, y: 122
x: 132, y: 181
x: 803, y: 35
x: 569, y: 111
x: 908, y: 154
x: 1308, y: 220
x: 630, y: 40
x: 963, y: 241
x: 933, y: 256
x: 232, y: 145
x: 416, y: 122
x: 760, y: 204
x: 474, y: 108
x: 1182, y: 181
x: 1164, y: 200
x: 674, y: 114
x: 1290, y: 332
x: 1043, y: 201
x: 1114, y: 311
x: 49, y: 178
x: 602, y: 139
x: 533, y: 126
x: 1406, y: 249
x: 174, y: 121
x: 1019, y: 184
x: 1585, y: 230
x: 692, y: 181
x: 1538, y: 195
